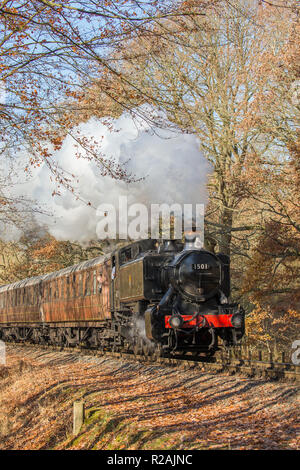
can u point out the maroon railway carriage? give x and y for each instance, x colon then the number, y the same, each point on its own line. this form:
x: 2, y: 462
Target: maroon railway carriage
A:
x: 78, y: 296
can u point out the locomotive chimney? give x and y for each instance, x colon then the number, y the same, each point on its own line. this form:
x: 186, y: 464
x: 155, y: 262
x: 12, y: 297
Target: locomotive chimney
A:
x: 192, y: 241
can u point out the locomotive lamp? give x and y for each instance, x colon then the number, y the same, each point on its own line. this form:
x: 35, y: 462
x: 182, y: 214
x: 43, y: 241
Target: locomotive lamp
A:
x: 237, y: 321
x: 176, y: 321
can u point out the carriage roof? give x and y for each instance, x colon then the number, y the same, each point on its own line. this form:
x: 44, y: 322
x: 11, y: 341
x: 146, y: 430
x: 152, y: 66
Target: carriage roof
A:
x: 32, y: 281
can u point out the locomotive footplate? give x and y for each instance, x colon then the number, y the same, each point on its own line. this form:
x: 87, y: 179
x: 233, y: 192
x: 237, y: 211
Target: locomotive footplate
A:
x: 199, y: 331
x: 202, y: 321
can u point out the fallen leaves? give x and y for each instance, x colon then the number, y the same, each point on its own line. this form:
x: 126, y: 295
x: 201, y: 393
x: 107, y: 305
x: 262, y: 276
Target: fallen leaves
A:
x: 133, y: 406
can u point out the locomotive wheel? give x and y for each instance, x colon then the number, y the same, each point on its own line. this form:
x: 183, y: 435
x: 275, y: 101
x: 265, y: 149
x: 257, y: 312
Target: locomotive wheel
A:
x: 146, y: 349
x: 115, y: 347
x: 158, y: 351
x: 137, y: 348
x: 195, y: 353
x: 210, y: 353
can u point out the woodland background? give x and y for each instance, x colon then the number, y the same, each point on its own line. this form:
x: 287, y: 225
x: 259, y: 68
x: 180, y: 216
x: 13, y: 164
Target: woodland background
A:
x: 226, y: 71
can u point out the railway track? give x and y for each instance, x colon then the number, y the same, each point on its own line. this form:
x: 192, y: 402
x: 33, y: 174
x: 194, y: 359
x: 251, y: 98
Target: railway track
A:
x: 232, y: 363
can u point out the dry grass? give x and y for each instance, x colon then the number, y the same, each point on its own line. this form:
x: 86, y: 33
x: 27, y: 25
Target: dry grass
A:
x: 133, y: 406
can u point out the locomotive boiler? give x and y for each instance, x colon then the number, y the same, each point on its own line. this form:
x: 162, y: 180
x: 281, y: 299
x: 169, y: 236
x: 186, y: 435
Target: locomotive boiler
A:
x: 152, y: 296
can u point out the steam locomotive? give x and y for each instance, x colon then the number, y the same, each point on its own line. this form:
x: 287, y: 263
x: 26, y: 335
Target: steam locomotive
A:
x: 150, y: 297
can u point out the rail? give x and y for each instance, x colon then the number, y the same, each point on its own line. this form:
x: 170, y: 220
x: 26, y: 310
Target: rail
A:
x: 233, y: 362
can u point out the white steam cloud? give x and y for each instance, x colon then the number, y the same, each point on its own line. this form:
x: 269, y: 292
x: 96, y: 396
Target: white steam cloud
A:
x: 172, y: 165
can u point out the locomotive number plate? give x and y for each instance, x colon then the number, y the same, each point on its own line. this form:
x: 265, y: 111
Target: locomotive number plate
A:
x: 198, y: 266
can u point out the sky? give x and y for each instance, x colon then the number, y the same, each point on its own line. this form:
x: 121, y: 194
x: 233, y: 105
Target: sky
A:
x: 171, y: 165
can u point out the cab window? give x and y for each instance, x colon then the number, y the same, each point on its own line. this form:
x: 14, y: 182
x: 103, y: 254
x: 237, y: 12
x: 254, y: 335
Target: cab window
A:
x: 125, y: 256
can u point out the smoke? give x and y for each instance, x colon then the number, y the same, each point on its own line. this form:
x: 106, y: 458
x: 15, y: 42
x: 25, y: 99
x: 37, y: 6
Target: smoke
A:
x: 172, y: 166
x: 140, y: 331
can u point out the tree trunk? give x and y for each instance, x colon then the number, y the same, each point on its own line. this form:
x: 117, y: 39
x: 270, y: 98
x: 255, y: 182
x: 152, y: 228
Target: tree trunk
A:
x: 224, y: 238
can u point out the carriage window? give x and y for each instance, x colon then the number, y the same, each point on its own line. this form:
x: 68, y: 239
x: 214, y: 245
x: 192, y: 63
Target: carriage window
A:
x: 68, y: 287
x: 74, y: 285
x: 62, y: 284
x: 125, y: 256
x: 87, y: 290
x: 80, y: 285
x: 94, y: 282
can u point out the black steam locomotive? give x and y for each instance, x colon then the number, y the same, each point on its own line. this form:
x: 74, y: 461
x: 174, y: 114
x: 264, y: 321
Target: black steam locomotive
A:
x: 185, y: 299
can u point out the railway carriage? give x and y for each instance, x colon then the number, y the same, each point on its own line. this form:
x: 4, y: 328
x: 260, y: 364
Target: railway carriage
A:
x: 57, y: 306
